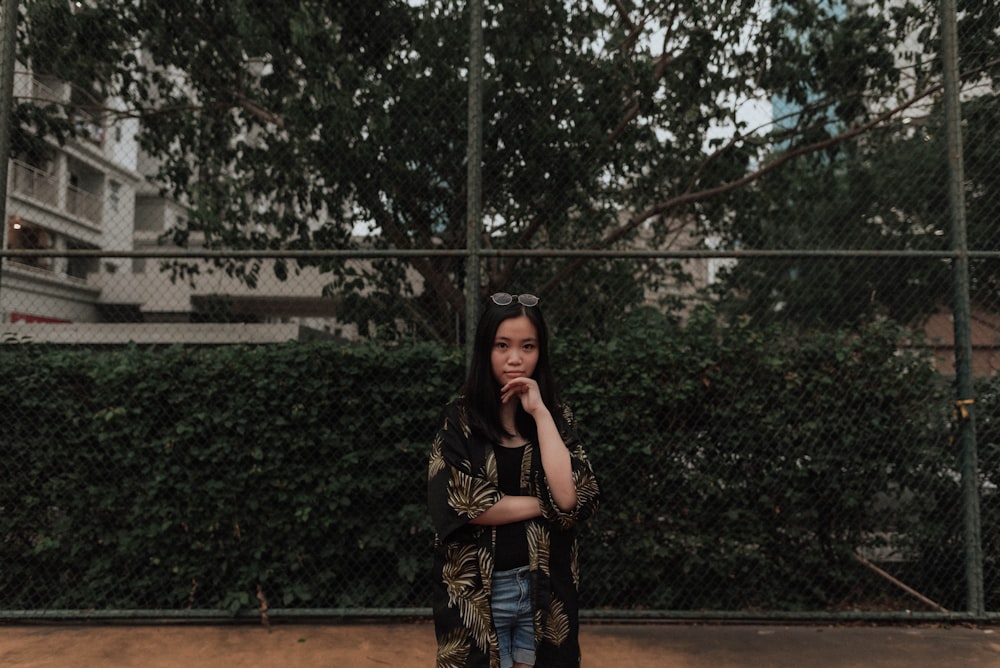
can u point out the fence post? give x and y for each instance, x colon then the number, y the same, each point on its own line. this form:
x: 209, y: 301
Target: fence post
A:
x: 8, y: 36
x: 963, y: 343
x: 473, y: 224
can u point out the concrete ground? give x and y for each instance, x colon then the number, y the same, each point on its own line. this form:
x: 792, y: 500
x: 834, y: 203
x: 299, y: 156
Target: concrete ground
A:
x: 288, y: 645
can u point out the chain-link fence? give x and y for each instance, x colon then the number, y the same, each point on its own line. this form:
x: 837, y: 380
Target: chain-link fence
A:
x: 237, y: 242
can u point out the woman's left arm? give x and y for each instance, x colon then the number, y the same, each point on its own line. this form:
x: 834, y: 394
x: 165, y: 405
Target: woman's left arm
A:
x: 569, y: 492
x: 555, y: 456
x: 556, y: 461
x: 588, y: 491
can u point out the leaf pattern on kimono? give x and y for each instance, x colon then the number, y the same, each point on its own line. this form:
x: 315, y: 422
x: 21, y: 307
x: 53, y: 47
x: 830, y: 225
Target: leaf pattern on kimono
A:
x: 459, y: 572
x: 453, y: 650
x: 463, y: 421
x: 557, y: 624
x: 490, y: 471
x: 495, y: 654
x: 460, y: 577
x: 539, y: 624
x: 486, y: 569
x: 477, y: 615
x: 526, y: 467
x: 586, y: 485
x: 469, y: 496
x: 436, y: 463
x: 574, y: 564
x: 538, y: 546
x: 567, y: 415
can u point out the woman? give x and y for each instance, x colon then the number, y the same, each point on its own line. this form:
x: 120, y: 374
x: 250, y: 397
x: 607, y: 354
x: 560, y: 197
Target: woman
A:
x: 508, y: 481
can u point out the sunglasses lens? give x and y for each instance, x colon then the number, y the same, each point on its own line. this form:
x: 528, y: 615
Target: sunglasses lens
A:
x: 527, y: 300
x: 502, y: 298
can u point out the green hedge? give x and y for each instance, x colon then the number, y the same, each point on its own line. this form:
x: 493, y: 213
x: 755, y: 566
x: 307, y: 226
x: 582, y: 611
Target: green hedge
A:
x: 741, y: 469
x: 188, y: 477
x: 750, y: 465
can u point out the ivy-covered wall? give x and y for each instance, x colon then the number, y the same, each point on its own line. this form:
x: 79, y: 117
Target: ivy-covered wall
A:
x: 742, y: 469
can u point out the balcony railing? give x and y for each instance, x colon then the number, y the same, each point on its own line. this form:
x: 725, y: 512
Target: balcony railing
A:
x: 81, y: 203
x: 43, y: 92
x: 35, y: 183
x: 30, y: 181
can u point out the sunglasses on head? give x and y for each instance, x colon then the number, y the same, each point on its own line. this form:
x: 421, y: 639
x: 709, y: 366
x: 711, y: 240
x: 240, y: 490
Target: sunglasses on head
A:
x: 506, y: 299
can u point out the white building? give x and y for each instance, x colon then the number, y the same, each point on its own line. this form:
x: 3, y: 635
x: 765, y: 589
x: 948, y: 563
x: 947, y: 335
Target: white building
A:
x: 91, y: 194
x: 77, y: 196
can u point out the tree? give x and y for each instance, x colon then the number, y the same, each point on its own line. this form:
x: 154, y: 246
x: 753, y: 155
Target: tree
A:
x: 289, y: 125
x: 889, y: 192
x: 864, y: 198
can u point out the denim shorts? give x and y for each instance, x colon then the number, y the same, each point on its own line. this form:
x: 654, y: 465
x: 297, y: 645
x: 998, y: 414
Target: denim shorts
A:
x: 513, y: 615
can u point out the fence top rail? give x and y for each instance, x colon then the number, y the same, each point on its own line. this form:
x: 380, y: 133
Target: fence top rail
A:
x: 201, y: 254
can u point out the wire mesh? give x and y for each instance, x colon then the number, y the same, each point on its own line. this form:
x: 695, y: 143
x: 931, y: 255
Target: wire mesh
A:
x: 232, y: 296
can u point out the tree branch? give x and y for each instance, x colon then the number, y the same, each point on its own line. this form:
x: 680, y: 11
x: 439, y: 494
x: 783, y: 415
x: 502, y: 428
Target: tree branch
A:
x: 506, y: 266
x: 633, y: 28
x: 661, y: 63
x: 257, y: 111
x: 242, y: 101
x: 436, y: 279
x: 691, y: 197
x: 737, y: 137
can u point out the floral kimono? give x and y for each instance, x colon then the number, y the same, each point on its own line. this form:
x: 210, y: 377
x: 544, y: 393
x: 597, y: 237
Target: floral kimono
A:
x: 462, y: 483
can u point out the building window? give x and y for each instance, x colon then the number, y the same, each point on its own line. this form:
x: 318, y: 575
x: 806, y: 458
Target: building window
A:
x: 79, y: 267
x: 114, y: 195
x: 22, y: 235
x: 83, y: 192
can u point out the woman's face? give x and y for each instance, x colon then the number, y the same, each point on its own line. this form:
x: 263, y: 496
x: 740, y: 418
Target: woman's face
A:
x: 515, y: 350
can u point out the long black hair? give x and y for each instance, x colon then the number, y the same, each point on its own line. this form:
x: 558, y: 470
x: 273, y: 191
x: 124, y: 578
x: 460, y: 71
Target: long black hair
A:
x: 482, y: 391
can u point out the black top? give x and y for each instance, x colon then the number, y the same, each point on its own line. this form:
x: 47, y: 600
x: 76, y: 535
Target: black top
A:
x: 512, y: 539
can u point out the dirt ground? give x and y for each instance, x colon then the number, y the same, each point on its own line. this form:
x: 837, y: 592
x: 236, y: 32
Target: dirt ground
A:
x: 412, y: 644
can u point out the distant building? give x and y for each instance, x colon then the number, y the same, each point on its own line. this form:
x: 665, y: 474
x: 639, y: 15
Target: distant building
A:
x: 77, y: 196
x: 92, y: 194
x: 984, y: 328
